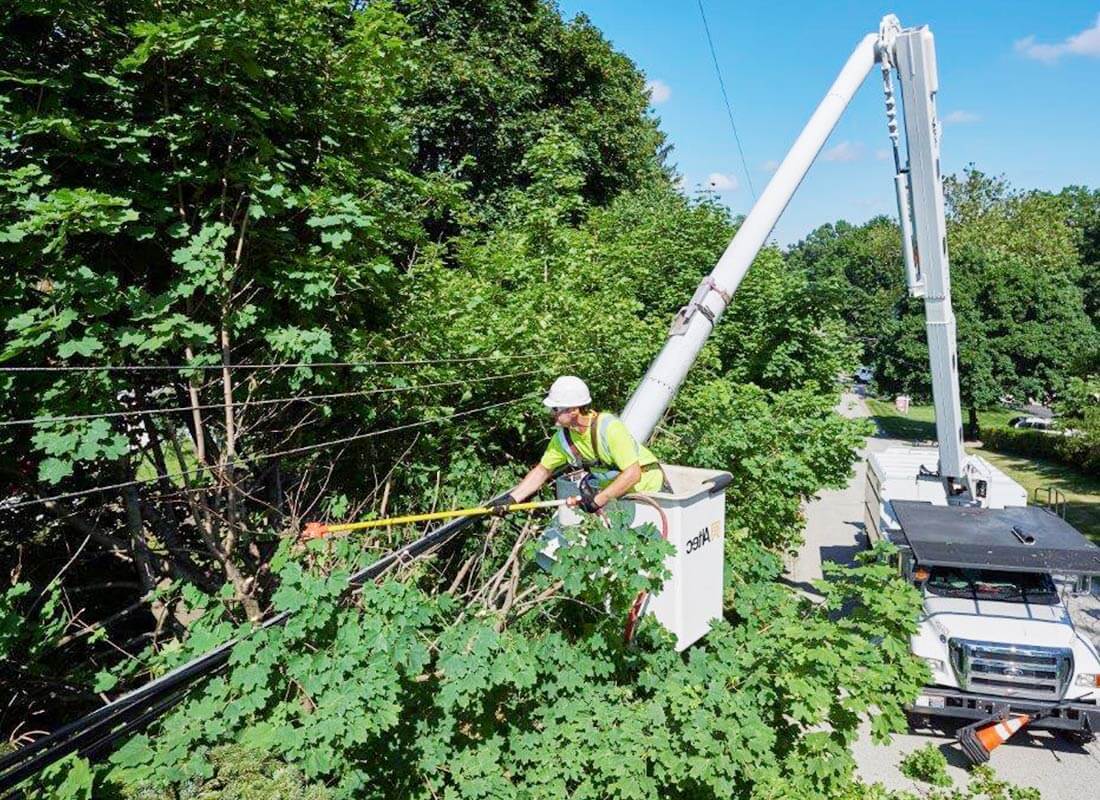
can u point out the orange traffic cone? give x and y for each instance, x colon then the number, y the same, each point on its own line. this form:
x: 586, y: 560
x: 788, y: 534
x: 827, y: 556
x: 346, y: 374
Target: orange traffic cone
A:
x: 982, y: 738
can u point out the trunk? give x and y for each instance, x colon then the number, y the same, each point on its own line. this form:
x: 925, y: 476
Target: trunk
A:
x: 205, y: 522
x: 144, y: 559
x: 196, y: 412
x: 230, y: 455
x: 972, y: 423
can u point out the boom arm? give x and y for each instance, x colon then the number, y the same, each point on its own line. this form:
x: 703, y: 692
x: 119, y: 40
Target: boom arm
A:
x: 920, y: 207
x: 915, y: 57
x: 694, y: 322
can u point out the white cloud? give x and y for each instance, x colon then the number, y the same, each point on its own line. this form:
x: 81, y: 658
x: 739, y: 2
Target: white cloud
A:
x: 721, y: 182
x: 1085, y: 43
x: 658, y: 91
x: 771, y: 165
x: 845, y: 151
x: 961, y: 117
x: 882, y: 154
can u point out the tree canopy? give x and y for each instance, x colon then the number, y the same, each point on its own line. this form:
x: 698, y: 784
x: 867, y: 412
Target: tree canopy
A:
x: 1023, y: 281
x: 275, y: 262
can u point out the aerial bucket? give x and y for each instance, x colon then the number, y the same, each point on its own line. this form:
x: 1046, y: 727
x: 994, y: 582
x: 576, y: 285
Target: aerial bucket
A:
x: 693, y: 513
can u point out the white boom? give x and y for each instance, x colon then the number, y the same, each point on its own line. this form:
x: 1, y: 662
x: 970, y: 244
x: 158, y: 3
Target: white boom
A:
x: 915, y: 58
x: 920, y: 208
x: 695, y: 321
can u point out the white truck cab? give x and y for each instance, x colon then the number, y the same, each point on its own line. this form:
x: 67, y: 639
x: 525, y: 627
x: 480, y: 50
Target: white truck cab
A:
x: 1009, y: 624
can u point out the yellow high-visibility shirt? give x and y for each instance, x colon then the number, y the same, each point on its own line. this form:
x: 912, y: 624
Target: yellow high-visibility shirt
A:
x: 618, y: 450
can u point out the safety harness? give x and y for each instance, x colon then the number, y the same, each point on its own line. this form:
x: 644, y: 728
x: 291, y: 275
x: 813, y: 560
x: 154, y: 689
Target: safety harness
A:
x: 598, y: 433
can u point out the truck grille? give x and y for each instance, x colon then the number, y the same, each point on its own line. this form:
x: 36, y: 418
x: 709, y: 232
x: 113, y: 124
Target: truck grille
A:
x: 1041, y: 673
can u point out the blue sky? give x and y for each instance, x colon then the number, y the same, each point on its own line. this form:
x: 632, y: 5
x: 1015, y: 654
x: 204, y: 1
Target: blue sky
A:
x: 1019, y: 92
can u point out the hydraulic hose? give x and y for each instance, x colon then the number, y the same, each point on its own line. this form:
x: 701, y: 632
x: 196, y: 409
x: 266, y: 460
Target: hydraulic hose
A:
x: 639, y: 602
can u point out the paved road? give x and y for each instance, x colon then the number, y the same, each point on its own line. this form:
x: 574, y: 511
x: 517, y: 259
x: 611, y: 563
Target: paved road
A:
x: 1061, y: 769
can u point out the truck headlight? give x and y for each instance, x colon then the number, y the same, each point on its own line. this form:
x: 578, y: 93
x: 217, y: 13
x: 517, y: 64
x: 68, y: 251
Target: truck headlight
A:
x: 1090, y: 679
x: 936, y: 665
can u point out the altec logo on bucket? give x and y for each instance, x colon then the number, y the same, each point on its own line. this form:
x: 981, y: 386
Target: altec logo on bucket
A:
x: 712, y: 532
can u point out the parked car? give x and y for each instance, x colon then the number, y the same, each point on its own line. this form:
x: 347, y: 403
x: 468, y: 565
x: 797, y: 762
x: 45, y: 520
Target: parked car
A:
x: 864, y: 374
x: 1032, y: 423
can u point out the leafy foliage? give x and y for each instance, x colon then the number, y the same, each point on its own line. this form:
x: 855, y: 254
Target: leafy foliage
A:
x: 1023, y: 269
x: 983, y: 784
x: 781, y: 447
x: 552, y: 702
x: 493, y: 75
x: 926, y: 764
x: 239, y: 773
x: 32, y: 629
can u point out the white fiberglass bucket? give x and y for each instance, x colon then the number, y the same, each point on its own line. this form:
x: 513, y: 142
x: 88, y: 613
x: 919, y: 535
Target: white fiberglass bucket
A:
x: 695, y: 511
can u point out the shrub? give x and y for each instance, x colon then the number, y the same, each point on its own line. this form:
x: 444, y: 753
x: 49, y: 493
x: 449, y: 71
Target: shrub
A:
x: 239, y: 773
x: 1080, y: 452
x: 926, y: 764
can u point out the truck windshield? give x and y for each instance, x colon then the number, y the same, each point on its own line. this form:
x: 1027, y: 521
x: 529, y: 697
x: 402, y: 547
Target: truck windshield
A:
x: 987, y: 584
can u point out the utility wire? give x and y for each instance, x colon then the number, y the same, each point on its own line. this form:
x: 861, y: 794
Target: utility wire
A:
x: 409, y: 426
x: 292, y: 365
x: 95, y: 732
x: 264, y: 456
x: 726, y: 98
x: 264, y: 402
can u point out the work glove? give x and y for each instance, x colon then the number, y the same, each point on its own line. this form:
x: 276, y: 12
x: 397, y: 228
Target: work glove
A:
x: 500, y: 504
x: 588, y: 498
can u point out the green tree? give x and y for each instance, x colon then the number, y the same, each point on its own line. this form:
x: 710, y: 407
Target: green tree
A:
x: 494, y: 75
x: 1021, y: 284
x: 867, y: 260
x: 1023, y: 328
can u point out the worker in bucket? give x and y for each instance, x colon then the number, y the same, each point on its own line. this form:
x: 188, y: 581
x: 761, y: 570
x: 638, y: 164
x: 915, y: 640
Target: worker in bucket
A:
x: 594, y: 443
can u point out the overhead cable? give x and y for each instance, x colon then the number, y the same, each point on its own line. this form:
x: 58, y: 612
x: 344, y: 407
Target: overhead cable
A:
x: 96, y: 732
x: 264, y: 402
x: 263, y: 456
x: 290, y: 364
x: 726, y: 98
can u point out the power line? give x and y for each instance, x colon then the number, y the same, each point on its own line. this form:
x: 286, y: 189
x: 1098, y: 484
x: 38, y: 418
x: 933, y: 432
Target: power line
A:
x: 264, y: 456
x: 97, y: 731
x: 264, y: 402
x: 292, y: 364
x: 726, y: 98
x: 409, y: 426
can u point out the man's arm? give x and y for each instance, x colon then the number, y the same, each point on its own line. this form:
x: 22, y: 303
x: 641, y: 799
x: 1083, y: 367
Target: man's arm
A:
x: 621, y: 485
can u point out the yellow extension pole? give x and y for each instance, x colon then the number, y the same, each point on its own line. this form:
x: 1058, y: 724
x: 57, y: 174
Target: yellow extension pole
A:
x: 316, y: 530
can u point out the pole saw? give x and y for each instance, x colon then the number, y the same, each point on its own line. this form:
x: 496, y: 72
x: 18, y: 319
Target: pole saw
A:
x: 319, y: 530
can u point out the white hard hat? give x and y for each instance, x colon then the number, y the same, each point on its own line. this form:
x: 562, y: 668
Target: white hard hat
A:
x: 568, y: 391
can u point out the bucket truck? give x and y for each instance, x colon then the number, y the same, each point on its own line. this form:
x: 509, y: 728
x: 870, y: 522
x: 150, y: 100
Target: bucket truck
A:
x: 1006, y: 625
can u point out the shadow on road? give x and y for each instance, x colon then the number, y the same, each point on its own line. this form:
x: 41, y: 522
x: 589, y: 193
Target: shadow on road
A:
x: 1050, y: 741
x: 846, y: 553
x: 801, y: 586
x: 910, y: 430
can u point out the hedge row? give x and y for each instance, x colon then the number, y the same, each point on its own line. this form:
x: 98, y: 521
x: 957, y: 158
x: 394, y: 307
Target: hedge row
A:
x: 1080, y: 452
